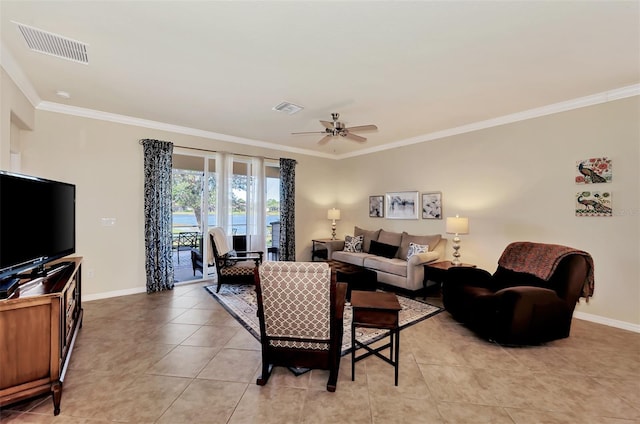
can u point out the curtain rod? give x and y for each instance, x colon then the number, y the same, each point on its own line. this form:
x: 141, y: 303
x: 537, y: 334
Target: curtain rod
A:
x: 216, y: 151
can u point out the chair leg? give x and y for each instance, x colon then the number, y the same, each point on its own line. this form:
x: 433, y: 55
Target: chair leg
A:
x: 334, y: 370
x: 219, y: 285
x: 333, y: 381
x: 266, y: 373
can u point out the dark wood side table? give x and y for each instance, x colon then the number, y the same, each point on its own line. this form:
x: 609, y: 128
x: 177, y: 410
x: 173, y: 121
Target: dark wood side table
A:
x: 436, y: 271
x: 376, y: 310
x: 318, y: 249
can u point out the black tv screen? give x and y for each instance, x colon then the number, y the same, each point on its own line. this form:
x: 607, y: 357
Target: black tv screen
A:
x: 37, y: 222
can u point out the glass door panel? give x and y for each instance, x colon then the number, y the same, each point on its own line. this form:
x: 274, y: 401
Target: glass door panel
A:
x: 187, y: 185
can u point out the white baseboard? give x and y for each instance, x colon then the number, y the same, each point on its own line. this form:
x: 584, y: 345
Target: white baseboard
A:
x: 115, y: 293
x: 608, y: 321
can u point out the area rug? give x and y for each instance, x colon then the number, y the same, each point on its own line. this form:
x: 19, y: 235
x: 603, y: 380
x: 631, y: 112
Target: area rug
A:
x: 240, y: 301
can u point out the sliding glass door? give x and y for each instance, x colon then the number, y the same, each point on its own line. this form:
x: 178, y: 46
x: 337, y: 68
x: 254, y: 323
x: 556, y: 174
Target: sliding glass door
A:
x: 238, y: 193
x: 187, y: 206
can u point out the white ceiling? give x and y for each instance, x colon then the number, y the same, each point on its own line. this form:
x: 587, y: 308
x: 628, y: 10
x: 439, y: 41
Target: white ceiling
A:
x: 411, y: 68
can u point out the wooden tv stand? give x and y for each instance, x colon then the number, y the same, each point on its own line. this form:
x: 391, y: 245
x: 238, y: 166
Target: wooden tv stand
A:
x: 38, y: 327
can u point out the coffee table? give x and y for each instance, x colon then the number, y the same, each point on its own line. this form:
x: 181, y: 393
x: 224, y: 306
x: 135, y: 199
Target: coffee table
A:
x: 356, y: 277
x: 376, y: 310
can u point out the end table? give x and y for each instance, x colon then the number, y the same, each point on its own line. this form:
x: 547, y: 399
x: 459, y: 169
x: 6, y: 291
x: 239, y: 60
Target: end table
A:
x: 376, y: 310
x: 436, y: 271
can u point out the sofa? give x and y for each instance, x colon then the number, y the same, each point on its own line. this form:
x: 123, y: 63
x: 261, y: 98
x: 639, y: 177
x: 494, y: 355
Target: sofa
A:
x: 386, y: 253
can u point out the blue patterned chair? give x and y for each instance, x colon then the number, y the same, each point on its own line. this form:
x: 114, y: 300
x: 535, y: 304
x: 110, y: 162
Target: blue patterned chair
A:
x: 300, y: 309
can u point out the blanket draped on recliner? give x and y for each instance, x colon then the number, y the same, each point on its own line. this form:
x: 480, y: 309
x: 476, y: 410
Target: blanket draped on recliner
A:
x: 541, y: 260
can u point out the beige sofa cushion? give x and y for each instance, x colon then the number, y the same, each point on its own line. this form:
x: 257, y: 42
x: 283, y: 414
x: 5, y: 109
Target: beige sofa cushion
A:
x: 350, y: 257
x: 368, y: 236
x: 392, y: 266
x: 431, y: 241
x: 387, y: 237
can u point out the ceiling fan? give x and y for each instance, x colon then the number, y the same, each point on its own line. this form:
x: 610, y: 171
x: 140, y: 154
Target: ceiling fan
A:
x: 337, y: 128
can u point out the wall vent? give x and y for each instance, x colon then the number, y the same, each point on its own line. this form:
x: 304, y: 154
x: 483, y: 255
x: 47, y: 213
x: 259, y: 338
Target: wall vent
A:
x: 53, y: 44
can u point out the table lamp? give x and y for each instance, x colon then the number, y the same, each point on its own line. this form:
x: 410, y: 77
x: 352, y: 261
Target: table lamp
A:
x: 333, y: 214
x: 457, y: 225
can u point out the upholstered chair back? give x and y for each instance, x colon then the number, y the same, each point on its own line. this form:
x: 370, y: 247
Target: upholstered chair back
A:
x: 296, y: 299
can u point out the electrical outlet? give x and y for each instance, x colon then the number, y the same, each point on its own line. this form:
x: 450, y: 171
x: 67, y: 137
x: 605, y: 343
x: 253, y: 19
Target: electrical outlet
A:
x: 108, y: 222
x: 90, y: 273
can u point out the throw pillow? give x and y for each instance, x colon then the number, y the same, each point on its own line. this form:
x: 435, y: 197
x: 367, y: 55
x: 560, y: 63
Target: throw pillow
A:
x: 353, y: 244
x: 231, y: 254
x: 382, y: 249
x: 414, y: 249
x: 431, y: 241
x: 368, y: 236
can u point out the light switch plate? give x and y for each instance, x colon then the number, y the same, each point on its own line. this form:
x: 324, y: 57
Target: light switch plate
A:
x: 108, y: 222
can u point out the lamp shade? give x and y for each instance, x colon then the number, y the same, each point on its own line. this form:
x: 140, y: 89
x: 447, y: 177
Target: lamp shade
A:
x: 457, y: 225
x: 333, y: 213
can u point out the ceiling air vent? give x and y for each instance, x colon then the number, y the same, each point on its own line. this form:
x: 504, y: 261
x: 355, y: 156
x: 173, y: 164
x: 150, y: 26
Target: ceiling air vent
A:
x: 53, y: 44
x: 289, y: 108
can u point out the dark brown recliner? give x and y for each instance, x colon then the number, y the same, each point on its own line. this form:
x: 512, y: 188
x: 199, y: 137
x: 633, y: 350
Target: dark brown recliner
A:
x: 528, y: 300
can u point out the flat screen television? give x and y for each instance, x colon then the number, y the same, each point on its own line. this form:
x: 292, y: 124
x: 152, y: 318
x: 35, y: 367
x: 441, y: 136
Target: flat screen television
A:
x: 37, y: 223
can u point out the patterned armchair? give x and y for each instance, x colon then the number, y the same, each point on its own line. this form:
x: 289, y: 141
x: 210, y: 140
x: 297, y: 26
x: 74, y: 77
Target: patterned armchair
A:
x: 230, y: 266
x: 300, y: 309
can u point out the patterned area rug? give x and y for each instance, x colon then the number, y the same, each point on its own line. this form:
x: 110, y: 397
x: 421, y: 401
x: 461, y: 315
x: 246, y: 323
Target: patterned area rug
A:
x: 240, y: 301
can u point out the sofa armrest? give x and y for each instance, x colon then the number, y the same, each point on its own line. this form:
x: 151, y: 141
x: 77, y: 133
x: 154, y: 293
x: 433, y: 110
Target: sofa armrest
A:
x: 527, y: 314
x: 423, y: 258
x: 333, y: 246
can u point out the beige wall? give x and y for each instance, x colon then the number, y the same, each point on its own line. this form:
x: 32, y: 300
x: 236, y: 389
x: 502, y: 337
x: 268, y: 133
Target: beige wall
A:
x: 16, y: 114
x: 516, y: 182
x: 105, y: 162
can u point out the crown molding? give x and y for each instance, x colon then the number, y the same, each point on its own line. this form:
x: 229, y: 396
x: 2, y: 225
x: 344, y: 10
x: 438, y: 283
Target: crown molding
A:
x: 15, y: 72
x: 146, y: 123
x: 594, y: 99
x: 18, y: 76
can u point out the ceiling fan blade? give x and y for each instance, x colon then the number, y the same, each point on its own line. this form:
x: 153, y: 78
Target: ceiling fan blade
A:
x: 327, y: 124
x: 363, y: 128
x: 310, y: 132
x: 325, y: 139
x: 355, y: 137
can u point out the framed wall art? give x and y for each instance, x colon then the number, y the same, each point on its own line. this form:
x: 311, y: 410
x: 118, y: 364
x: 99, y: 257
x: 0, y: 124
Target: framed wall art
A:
x: 593, y: 171
x: 376, y: 206
x: 432, y: 205
x: 401, y: 205
x: 593, y: 203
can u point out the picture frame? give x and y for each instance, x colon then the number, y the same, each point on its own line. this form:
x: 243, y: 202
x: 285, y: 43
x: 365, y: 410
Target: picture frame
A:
x: 593, y: 203
x: 432, y: 205
x: 402, y: 205
x: 376, y: 206
x: 593, y: 171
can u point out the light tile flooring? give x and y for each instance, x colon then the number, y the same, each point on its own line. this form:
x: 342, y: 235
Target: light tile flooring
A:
x: 179, y: 357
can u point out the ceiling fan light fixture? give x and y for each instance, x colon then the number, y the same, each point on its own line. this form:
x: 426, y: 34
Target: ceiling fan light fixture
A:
x: 288, y: 108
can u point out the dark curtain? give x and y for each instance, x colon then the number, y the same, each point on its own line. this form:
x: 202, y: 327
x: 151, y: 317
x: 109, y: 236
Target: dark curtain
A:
x: 157, y: 214
x: 287, y: 209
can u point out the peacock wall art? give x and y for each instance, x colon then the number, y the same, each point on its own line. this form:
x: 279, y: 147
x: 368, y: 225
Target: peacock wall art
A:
x: 593, y: 171
x: 593, y: 203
